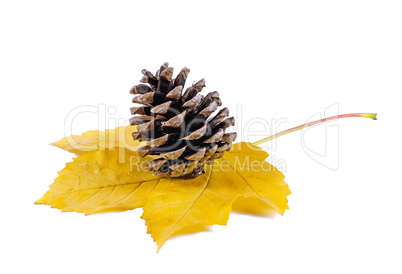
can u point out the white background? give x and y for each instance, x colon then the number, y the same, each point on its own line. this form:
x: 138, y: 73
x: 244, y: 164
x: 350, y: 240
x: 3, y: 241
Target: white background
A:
x: 278, y: 59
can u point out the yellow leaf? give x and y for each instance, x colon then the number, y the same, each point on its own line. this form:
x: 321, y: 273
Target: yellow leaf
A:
x: 253, y: 206
x: 208, y: 199
x: 98, y: 182
x: 256, y: 177
x: 119, y: 137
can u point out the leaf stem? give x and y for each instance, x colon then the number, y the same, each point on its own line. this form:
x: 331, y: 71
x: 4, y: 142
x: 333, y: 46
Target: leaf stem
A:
x: 364, y: 115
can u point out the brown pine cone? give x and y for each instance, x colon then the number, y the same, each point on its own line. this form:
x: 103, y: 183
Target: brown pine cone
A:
x: 177, y: 125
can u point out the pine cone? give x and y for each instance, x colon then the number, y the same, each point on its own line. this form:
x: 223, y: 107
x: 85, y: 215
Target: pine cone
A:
x: 177, y: 126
